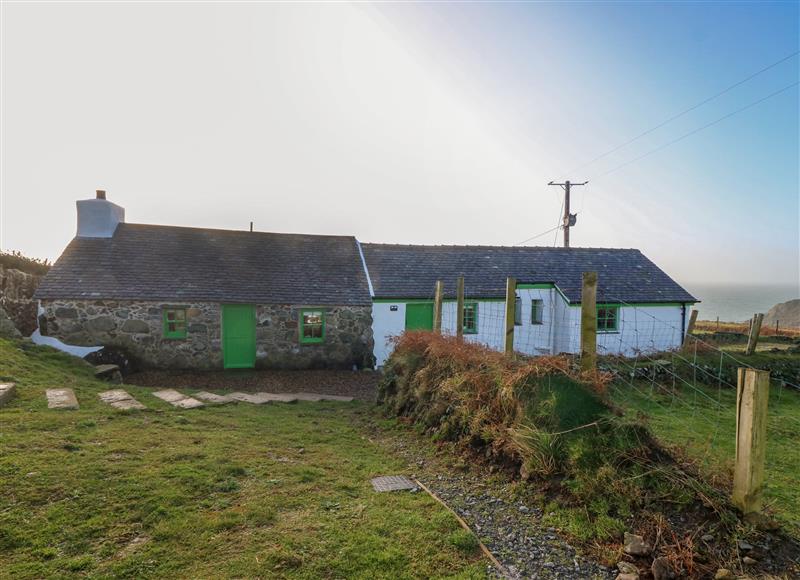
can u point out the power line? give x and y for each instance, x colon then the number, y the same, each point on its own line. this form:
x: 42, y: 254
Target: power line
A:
x: 685, y: 111
x: 538, y: 235
x: 706, y: 126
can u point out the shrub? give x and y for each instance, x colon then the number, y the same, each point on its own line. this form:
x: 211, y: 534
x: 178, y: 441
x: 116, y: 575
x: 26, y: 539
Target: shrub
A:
x: 15, y: 260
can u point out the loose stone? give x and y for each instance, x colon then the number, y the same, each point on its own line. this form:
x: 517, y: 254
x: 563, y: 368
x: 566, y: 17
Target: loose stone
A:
x: 62, y: 399
x: 7, y: 392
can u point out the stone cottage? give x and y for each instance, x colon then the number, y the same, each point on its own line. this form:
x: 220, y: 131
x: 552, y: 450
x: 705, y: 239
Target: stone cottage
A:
x: 176, y: 297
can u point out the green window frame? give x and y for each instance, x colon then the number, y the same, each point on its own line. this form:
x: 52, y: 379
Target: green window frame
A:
x: 517, y: 311
x: 174, y: 323
x: 312, y: 325
x: 607, y: 318
x: 470, y: 318
x: 537, y: 309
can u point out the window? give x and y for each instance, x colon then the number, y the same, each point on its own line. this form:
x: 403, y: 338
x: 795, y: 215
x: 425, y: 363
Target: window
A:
x: 312, y: 326
x: 537, y: 306
x: 607, y: 318
x: 174, y: 323
x: 517, y: 311
x: 471, y: 318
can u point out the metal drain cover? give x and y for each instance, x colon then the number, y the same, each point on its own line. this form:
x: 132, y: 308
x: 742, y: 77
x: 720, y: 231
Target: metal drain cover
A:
x: 393, y: 483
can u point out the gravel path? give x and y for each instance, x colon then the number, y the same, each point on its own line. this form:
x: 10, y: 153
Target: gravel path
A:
x: 357, y: 384
x: 510, y: 529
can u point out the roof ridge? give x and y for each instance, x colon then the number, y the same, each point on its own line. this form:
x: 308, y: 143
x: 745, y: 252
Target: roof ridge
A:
x: 485, y: 246
x: 227, y: 231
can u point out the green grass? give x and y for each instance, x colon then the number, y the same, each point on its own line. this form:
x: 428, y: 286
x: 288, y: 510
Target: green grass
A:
x: 702, y: 421
x: 232, y: 491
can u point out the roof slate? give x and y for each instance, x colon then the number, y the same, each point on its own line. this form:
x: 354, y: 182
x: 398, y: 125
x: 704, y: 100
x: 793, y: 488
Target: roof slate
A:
x: 147, y: 262
x: 409, y: 271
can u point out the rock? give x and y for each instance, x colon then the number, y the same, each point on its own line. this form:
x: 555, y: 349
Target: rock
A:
x: 61, y: 399
x: 661, y: 569
x: 214, y: 398
x: 101, y: 324
x: 120, y: 399
x: 627, y: 577
x: 627, y: 568
x: 787, y: 314
x: 177, y: 399
x: 744, y: 546
x: 7, y: 392
x: 724, y: 574
x: 7, y: 327
x: 136, y: 327
x: 110, y: 373
x: 748, y: 561
x: 636, y: 546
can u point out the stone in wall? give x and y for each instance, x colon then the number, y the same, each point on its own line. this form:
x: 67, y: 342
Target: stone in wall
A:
x: 16, y: 298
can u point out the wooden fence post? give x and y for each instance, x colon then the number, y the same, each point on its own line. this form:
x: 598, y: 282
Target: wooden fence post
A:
x: 755, y: 330
x: 460, y: 308
x: 752, y: 396
x: 690, y: 328
x: 511, y: 304
x: 437, y: 307
x: 589, y: 321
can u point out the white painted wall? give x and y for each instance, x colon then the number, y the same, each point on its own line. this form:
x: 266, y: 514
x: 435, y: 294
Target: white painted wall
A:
x: 642, y: 329
x: 98, y: 218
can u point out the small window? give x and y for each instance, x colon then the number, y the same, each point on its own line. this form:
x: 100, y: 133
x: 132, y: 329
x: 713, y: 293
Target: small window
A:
x: 174, y: 323
x: 312, y: 326
x: 537, y: 306
x: 607, y: 318
x: 471, y: 318
x: 517, y: 311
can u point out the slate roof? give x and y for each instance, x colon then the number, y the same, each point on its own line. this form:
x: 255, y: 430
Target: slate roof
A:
x: 147, y: 262
x: 408, y: 271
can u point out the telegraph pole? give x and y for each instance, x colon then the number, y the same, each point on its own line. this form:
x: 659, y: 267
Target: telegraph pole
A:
x: 569, y: 218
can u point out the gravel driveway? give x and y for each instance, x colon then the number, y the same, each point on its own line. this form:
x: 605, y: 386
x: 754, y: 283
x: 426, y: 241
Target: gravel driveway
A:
x: 357, y: 384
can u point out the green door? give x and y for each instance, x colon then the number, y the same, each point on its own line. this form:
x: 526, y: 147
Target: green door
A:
x: 239, y: 336
x: 419, y: 316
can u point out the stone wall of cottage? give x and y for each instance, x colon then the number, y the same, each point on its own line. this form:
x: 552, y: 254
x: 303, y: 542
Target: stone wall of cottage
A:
x: 137, y: 328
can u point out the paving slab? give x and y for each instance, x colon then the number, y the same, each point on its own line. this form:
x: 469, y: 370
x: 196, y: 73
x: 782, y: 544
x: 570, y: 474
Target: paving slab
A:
x: 319, y: 397
x: 277, y: 397
x: 214, y: 398
x: 7, y: 392
x: 120, y: 399
x: 248, y: 398
x: 393, y: 483
x: 61, y: 399
x: 177, y: 399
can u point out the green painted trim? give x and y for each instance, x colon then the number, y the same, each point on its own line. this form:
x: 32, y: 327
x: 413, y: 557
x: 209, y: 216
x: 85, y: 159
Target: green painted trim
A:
x: 474, y: 304
x: 425, y: 300
x: 636, y: 304
x: 535, y: 286
x: 616, y: 319
x: 175, y: 334
x: 301, y: 326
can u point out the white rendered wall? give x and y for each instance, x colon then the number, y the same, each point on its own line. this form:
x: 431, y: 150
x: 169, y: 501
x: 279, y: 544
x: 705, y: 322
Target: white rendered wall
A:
x: 385, y: 324
x: 98, y: 218
x: 641, y: 329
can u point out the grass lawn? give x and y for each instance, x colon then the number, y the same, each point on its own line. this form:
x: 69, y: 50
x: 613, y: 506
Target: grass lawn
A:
x: 233, y: 491
x: 704, y: 424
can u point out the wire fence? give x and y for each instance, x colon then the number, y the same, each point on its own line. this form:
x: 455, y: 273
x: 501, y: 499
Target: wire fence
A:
x: 685, y: 385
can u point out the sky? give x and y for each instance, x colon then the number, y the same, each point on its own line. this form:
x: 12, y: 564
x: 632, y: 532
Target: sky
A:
x: 438, y: 123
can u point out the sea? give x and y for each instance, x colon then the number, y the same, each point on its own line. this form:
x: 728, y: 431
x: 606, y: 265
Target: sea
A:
x: 738, y: 303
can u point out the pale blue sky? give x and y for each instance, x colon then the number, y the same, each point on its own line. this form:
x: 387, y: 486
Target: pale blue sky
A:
x: 422, y: 123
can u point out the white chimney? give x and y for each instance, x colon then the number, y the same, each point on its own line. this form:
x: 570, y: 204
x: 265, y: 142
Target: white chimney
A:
x: 98, y: 218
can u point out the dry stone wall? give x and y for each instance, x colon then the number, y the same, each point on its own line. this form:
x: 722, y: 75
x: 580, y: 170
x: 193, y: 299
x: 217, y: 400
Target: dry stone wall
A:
x: 137, y: 329
x: 16, y: 301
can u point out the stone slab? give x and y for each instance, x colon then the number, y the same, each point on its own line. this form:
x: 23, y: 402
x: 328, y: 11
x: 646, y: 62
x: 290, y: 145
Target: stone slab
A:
x: 101, y: 370
x: 214, y: 398
x: 277, y: 397
x: 61, y: 399
x: 319, y: 397
x: 177, y: 399
x: 128, y: 404
x: 393, y: 483
x: 7, y: 392
x: 114, y: 395
x: 169, y: 395
x: 248, y: 398
x: 120, y: 399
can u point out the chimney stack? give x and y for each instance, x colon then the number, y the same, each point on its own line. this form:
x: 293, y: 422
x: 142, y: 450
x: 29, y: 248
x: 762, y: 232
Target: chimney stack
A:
x: 98, y: 217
